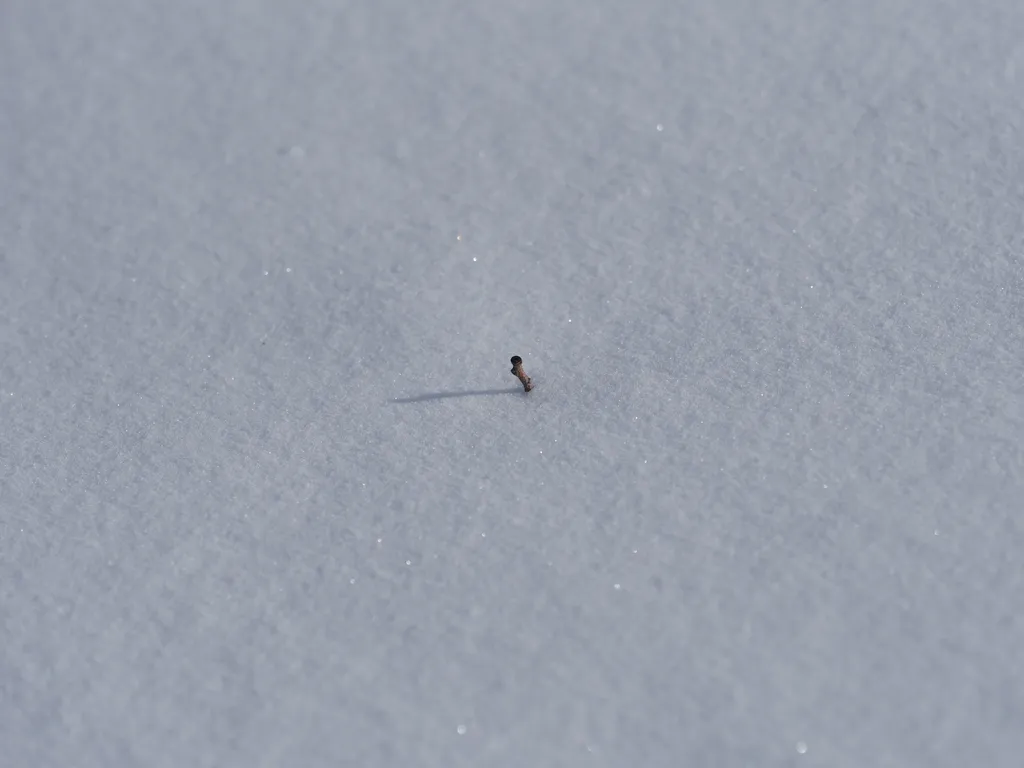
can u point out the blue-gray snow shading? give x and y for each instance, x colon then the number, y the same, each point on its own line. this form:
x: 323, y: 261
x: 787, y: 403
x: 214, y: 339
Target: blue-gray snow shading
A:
x: 269, y: 494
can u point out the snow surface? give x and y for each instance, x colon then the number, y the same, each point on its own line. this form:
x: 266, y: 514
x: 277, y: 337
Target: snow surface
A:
x: 270, y: 496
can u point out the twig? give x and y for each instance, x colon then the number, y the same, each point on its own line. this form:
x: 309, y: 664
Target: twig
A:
x: 517, y: 369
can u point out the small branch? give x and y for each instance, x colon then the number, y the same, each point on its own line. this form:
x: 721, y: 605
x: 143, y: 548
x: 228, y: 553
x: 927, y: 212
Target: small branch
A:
x: 517, y: 369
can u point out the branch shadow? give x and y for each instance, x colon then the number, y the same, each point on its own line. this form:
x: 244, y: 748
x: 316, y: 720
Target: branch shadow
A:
x: 445, y: 395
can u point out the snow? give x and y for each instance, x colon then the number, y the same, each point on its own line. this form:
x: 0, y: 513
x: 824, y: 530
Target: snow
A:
x: 269, y: 494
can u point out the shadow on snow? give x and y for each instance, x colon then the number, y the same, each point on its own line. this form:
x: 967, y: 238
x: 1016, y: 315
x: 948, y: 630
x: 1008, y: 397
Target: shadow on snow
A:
x: 443, y: 395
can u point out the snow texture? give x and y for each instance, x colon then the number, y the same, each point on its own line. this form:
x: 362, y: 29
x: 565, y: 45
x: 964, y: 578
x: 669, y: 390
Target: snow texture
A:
x: 270, y: 496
